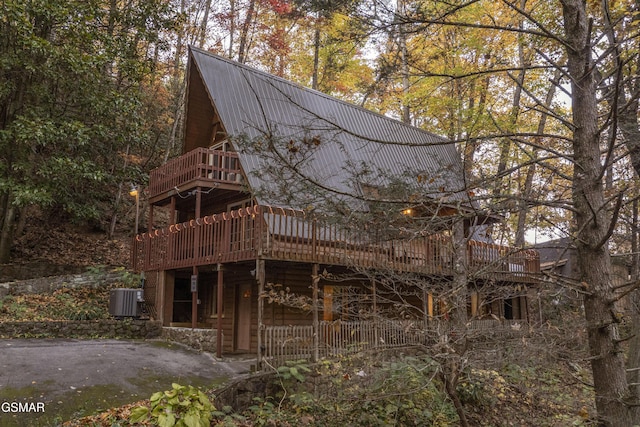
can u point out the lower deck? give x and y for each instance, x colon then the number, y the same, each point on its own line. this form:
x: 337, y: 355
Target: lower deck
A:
x: 329, y: 302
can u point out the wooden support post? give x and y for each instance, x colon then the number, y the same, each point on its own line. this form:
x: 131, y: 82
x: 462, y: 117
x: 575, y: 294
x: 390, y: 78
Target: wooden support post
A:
x: 219, y: 310
x: 196, y: 250
x: 475, y: 298
x: 260, y: 278
x: 150, y: 219
x: 169, y: 292
x: 172, y: 210
x: 161, y: 278
x: 196, y: 232
x: 315, y: 279
x: 194, y: 298
x: 425, y: 306
x: 172, y: 237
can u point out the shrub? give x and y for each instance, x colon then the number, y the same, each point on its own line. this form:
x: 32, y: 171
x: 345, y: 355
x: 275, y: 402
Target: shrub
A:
x: 182, y: 406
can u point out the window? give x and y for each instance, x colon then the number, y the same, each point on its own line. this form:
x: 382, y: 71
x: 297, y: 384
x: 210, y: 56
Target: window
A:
x: 339, y: 302
x: 213, y: 302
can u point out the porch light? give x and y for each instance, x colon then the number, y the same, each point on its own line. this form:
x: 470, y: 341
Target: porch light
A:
x: 407, y: 212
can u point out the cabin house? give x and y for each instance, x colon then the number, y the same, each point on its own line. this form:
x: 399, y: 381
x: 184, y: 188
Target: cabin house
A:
x: 559, y: 270
x: 272, y: 240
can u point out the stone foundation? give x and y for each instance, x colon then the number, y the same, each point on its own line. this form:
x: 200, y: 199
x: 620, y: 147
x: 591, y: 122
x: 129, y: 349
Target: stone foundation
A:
x: 49, y: 284
x: 199, y: 339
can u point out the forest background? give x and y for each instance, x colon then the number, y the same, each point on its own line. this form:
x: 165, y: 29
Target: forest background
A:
x: 541, y: 98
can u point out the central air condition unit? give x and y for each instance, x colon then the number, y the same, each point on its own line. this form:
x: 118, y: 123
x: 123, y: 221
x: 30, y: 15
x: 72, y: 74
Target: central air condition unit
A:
x: 125, y: 302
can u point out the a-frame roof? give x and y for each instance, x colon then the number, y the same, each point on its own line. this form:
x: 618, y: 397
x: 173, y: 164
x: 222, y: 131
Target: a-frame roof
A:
x: 342, y: 146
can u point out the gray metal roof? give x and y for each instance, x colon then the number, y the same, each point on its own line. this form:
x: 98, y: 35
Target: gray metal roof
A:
x: 337, y: 144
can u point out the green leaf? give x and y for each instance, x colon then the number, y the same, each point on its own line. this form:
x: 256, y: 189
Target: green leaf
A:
x: 166, y: 420
x: 191, y: 420
x: 204, y: 399
x: 156, y: 396
x: 138, y: 414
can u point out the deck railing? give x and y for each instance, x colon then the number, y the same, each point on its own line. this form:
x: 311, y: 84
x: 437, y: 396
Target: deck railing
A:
x: 226, y: 237
x: 201, y: 164
x: 288, y: 343
x: 282, y: 234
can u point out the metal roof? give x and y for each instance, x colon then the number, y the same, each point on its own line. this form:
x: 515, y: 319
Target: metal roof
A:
x: 340, y: 145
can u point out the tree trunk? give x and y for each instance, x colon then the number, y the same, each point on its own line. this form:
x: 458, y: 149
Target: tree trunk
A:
x: 177, y: 121
x: 404, y: 60
x: 6, y: 232
x: 526, y: 192
x: 471, y: 145
x: 23, y: 215
x: 453, y: 363
x: 179, y: 45
x: 450, y: 376
x: 232, y: 26
x: 243, y: 49
x: 203, y: 25
x: 592, y: 223
x: 505, y: 148
x: 316, y: 55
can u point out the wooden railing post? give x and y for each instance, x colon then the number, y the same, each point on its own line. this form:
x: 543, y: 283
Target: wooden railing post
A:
x: 258, y: 223
x: 314, y: 240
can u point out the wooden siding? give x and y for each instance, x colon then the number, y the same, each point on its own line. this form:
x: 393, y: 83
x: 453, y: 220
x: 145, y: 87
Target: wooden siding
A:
x: 200, y: 116
x: 279, y: 234
x: 234, y: 275
x: 292, y: 278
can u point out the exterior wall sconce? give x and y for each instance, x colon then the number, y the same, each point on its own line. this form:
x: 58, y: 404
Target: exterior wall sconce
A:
x: 246, y: 294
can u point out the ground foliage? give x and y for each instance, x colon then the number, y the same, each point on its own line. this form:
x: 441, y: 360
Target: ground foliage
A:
x: 52, y: 238
x: 71, y: 247
x: 376, y: 390
x: 85, y: 303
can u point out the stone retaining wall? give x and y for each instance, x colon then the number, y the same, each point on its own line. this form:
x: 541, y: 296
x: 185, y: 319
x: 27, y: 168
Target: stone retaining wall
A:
x: 199, y: 339
x: 50, y: 284
x: 240, y: 394
x: 108, y: 328
x: 34, y: 269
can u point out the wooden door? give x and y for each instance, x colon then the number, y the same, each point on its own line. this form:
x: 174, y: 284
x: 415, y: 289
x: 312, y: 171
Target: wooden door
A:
x: 243, y: 318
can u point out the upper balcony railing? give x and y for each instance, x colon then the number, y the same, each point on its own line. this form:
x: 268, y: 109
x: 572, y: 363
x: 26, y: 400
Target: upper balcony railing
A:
x: 283, y: 234
x: 197, y: 167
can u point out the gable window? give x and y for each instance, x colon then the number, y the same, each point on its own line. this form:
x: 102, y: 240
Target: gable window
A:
x: 222, y: 165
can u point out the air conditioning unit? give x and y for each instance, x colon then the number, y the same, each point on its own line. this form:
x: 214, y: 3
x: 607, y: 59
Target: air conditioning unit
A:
x: 125, y: 302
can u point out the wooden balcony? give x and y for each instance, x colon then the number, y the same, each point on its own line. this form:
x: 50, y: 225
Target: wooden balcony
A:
x: 200, y: 167
x: 280, y: 234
